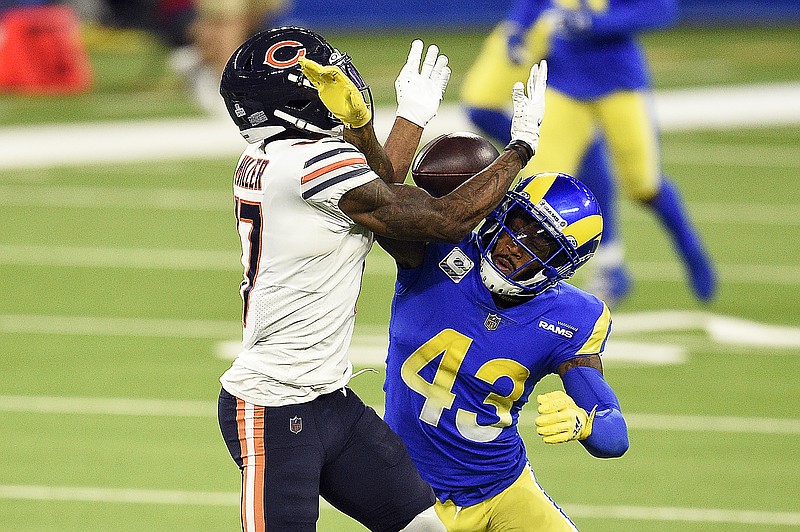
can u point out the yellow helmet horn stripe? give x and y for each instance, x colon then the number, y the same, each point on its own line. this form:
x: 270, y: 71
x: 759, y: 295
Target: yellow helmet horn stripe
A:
x: 585, y: 229
x: 539, y: 186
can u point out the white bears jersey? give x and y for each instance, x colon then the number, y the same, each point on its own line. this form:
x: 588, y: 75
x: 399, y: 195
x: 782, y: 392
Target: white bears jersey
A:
x: 303, y: 260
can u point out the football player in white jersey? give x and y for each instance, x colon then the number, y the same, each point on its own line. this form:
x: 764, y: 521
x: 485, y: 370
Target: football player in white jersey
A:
x: 308, y: 204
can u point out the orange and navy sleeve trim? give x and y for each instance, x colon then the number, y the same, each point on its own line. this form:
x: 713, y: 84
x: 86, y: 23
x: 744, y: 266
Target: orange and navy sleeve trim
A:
x: 330, y: 168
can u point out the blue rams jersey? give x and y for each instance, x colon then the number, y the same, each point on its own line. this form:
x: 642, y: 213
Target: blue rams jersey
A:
x: 606, y: 56
x: 460, y: 369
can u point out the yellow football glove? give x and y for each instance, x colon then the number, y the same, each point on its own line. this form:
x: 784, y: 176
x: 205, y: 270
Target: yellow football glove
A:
x: 337, y: 92
x: 561, y: 420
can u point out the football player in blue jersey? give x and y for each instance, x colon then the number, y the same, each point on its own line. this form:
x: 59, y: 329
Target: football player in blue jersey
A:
x: 474, y: 326
x: 599, y: 88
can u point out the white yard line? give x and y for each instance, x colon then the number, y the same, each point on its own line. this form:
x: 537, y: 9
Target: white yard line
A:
x: 110, y: 406
x: 137, y: 198
x: 115, y: 406
x: 112, y: 142
x: 133, y: 258
x: 184, y: 199
x: 687, y: 109
x: 213, y: 260
x: 119, y: 495
x: 729, y: 424
x: 722, y: 329
x: 686, y: 515
x: 105, y: 326
x: 724, y: 107
x: 221, y: 498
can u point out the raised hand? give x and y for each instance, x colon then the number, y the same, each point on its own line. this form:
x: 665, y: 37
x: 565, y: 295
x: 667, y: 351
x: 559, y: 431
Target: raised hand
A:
x: 338, y: 92
x: 528, y: 112
x: 419, y: 91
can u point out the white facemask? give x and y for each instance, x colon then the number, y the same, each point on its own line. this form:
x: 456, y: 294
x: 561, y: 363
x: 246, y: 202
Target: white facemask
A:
x: 497, y: 283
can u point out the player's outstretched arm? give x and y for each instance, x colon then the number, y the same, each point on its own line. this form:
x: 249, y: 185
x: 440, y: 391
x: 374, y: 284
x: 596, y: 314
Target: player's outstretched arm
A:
x: 419, y: 93
x: 409, y: 213
x: 342, y: 98
x: 528, y: 113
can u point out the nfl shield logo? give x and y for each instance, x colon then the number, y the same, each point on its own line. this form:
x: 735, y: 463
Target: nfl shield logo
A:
x: 492, y: 321
x: 295, y: 424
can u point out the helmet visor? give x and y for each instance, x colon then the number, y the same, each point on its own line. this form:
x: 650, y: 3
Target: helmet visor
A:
x: 345, y: 63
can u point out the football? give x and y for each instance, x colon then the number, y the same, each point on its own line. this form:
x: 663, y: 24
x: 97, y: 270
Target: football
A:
x: 450, y: 159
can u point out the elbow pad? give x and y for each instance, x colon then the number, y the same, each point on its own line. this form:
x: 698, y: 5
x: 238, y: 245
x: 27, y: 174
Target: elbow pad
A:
x: 588, y: 388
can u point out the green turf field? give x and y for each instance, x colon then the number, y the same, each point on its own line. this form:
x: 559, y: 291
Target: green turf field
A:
x: 119, y: 288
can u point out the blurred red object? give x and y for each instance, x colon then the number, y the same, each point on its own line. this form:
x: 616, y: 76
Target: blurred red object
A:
x: 41, y: 51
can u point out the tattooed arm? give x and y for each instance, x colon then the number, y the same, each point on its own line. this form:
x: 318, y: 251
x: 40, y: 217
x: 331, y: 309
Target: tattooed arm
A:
x: 365, y: 140
x: 393, y: 160
x: 405, y: 212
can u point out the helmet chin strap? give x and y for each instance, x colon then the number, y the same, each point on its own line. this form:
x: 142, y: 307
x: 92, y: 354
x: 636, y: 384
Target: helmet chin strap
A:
x: 302, y: 124
x: 257, y: 134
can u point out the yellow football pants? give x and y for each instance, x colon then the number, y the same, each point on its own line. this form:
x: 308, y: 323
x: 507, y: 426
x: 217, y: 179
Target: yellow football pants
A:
x: 622, y: 118
x: 570, y: 125
x: 239, y: 8
x: 489, y: 80
x: 521, y: 507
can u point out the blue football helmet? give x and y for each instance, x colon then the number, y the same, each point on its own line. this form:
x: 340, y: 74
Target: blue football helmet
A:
x: 265, y: 91
x: 551, y: 218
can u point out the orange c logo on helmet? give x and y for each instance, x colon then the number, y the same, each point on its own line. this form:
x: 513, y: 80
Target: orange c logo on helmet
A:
x: 299, y: 51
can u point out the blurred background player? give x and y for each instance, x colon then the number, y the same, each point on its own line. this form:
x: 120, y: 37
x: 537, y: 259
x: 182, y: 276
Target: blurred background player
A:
x: 219, y: 28
x: 474, y: 327
x: 506, y: 54
x: 8, y: 4
x: 109, y: 20
x: 202, y: 34
x: 599, y: 95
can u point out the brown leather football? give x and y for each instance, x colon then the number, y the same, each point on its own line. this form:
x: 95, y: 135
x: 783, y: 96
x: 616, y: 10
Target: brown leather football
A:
x: 447, y: 161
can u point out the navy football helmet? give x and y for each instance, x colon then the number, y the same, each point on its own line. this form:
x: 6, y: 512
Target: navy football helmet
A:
x: 265, y: 91
x: 551, y: 217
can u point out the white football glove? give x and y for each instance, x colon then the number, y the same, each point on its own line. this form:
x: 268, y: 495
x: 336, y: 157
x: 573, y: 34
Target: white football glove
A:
x: 419, y: 92
x: 529, y: 110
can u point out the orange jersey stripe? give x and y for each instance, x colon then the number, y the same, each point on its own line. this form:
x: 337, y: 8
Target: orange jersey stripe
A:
x: 333, y: 166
